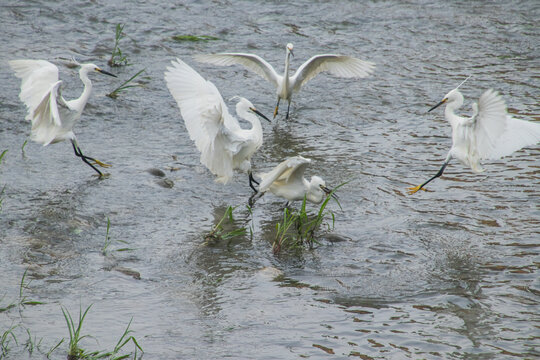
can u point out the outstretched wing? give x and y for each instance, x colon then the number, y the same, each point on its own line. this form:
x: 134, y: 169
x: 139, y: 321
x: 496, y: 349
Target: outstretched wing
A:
x: 204, y: 113
x: 250, y: 61
x: 40, y: 89
x: 338, y: 65
x: 518, y: 134
x: 287, y: 171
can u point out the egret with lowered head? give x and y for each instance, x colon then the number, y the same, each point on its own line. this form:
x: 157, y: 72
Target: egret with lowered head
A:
x: 52, y: 116
x: 489, y: 134
x: 287, y: 180
x: 223, y: 144
x: 338, y: 65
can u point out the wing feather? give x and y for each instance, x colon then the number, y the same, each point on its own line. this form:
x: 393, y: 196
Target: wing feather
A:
x: 338, y: 65
x: 204, y: 113
x: 38, y: 78
x: 291, y: 169
x: 250, y: 61
x: 490, y: 122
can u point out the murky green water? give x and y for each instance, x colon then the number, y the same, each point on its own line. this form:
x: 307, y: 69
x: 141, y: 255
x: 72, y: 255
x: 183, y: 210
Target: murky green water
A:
x: 450, y: 273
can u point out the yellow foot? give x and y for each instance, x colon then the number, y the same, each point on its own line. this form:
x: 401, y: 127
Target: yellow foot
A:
x: 414, y: 189
x: 102, y: 176
x: 275, y: 111
x: 97, y: 162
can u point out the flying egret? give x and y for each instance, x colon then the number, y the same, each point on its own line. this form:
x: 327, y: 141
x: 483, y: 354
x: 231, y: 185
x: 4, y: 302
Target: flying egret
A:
x: 287, y: 180
x: 223, y: 144
x: 489, y: 134
x: 51, y: 115
x: 338, y: 65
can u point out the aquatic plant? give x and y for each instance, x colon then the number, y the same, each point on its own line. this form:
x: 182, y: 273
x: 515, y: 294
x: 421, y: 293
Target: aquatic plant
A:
x: 109, y: 241
x: 219, y: 234
x: 2, y: 155
x: 5, y: 340
x: 298, y: 228
x: 74, y: 351
x: 194, y: 38
x: 125, y: 85
x: 117, y: 57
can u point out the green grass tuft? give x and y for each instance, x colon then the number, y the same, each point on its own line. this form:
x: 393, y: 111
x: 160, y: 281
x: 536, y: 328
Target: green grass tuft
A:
x: 298, y: 228
x: 117, y: 57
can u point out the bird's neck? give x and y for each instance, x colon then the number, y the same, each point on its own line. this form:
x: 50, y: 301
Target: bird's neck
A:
x: 80, y: 103
x: 450, y: 113
x: 286, y: 72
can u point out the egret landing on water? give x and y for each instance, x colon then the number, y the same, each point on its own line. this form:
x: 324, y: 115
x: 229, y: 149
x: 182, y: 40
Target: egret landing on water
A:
x: 223, y: 144
x: 53, y: 116
x: 489, y: 134
x: 338, y: 65
x: 287, y: 181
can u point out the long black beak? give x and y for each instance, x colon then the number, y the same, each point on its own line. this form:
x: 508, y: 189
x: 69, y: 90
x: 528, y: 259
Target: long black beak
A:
x: 328, y: 191
x: 439, y: 104
x: 260, y: 114
x: 106, y: 72
x: 292, y: 54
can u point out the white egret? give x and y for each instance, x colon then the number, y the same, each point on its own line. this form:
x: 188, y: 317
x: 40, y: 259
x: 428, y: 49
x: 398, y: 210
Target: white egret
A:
x: 52, y: 116
x: 338, y: 65
x: 287, y: 180
x: 489, y: 134
x: 223, y: 144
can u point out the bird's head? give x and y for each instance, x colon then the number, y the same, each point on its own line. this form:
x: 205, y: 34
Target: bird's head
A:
x: 318, y: 190
x: 290, y: 49
x: 244, y: 106
x: 453, y: 97
x: 90, y: 68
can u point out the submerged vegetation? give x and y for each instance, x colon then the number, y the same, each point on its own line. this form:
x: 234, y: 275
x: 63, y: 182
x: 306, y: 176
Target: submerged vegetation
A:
x: 194, y: 38
x: 109, y: 241
x: 298, y: 228
x: 218, y: 232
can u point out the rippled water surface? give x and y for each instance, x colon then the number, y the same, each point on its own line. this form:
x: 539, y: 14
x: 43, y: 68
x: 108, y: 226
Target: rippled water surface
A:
x: 448, y: 273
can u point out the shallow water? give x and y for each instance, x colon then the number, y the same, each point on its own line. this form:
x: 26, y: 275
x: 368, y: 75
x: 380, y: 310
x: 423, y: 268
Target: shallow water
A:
x: 449, y: 273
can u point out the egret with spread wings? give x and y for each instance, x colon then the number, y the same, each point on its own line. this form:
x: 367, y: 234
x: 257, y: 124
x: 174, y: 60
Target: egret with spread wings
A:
x: 287, y: 180
x: 223, y: 144
x: 337, y: 65
x: 52, y: 116
x: 489, y: 134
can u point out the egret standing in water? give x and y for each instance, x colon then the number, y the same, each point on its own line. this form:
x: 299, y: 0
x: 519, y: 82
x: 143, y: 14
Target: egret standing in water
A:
x: 287, y: 180
x: 51, y: 115
x: 489, y: 134
x: 338, y: 65
x: 223, y: 144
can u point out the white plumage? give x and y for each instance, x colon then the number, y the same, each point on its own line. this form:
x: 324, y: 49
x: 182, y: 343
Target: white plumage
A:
x: 287, y: 180
x: 52, y: 116
x: 338, y: 65
x: 223, y: 144
x: 489, y: 134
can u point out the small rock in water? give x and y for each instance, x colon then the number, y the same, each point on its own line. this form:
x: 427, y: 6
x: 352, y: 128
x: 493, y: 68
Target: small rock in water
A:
x: 166, y: 183
x: 155, y: 172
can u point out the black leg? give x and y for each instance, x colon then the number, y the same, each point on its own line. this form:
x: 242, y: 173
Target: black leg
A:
x: 251, y: 181
x: 438, y: 174
x: 84, y: 158
x: 288, y: 107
